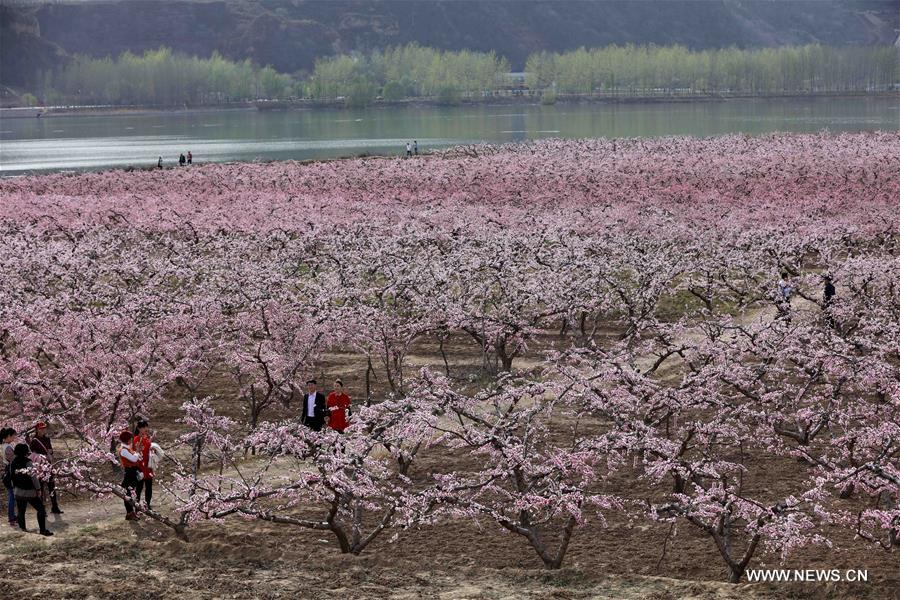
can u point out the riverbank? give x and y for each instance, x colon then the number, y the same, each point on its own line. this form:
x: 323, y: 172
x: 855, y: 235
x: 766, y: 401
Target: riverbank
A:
x: 151, y: 168
x: 524, y: 99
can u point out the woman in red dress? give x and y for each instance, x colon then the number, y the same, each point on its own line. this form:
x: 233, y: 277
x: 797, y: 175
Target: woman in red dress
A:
x: 338, y: 403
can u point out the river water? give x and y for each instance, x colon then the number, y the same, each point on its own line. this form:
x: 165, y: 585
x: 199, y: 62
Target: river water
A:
x: 55, y: 143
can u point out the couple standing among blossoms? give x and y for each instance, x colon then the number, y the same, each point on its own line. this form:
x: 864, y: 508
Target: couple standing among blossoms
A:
x: 318, y: 411
x: 138, y: 455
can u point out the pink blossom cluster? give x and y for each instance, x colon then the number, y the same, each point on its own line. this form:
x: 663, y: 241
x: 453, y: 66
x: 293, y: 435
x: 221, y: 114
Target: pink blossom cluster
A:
x: 622, y: 298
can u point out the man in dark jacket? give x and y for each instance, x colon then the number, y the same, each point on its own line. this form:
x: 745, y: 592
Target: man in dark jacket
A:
x: 40, y: 444
x: 313, y: 411
x: 829, y: 292
x: 828, y: 300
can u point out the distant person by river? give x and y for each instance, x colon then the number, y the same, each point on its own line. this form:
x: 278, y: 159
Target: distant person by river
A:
x: 159, y: 163
x: 181, y: 160
x: 190, y: 157
x: 408, y: 150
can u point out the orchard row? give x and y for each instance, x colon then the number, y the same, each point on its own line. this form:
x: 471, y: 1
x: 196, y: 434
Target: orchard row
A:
x: 670, y: 290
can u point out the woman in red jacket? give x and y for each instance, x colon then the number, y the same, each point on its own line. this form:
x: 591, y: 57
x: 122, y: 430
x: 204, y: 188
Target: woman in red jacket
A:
x: 141, y: 446
x: 338, y: 403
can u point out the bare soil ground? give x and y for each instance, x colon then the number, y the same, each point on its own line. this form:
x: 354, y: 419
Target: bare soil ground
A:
x: 96, y: 554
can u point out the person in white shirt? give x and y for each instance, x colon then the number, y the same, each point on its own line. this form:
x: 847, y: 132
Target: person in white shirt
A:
x: 313, y: 415
x: 785, y: 288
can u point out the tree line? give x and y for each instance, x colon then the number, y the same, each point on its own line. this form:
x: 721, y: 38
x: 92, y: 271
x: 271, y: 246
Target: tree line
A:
x: 407, y: 72
x: 635, y: 69
x: 163, y: 77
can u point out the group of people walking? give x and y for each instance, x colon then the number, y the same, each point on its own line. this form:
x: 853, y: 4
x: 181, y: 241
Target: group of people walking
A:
x: 182, y: 160
x: 412, y: 149
x: 23, y: 488
x: 787, y: 289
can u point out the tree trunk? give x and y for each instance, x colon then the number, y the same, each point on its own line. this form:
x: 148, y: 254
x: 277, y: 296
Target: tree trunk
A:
x: 506, y: 360
x: 563, y: 545
x: 369, y: 370
x: 181, y: 532
x: 343, y: 542
x: 357, y: 522
x: 444, y: 356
